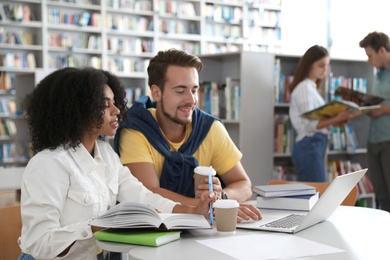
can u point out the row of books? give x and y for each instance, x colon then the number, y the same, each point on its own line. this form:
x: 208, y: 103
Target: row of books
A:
x: 13, y: 152
x: 59, y: 16
x: 16, y: 12
x: 340, y: 138
x: 218, y: 13
x: 281, y: 82
x: 140, y: 5
x: 223, y: 30
x: 7, y: 106
x: 179, y: 26
x: 73, y: 40
x: 7, y: 127
x: 343, y: 139
x: 261, y: 17
x: 191, y: 46
x: 221, y: 99
x: 6, y: 82
x: 284, y: 134
x: 85, y: 2
x: 341, y: 167
x: 127, y: 65
x: 177, y: 8
x: 133, y: 94
x: 18, y: 59
x: 62, y: 61
x: 129, y: 45
x: 14, y: 37
x: 121, y: 22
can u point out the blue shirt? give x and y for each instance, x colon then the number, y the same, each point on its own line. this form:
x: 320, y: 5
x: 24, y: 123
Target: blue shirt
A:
x: 379, y: 126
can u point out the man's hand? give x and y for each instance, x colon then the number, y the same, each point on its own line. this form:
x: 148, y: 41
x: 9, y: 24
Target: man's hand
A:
x: 248, y: 212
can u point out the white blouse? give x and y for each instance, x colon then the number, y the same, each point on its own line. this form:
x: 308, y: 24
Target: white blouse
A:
x: 63, y: 189
x: 304, y: 98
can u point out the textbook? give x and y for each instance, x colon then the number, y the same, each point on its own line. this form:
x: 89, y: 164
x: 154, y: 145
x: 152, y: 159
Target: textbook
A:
x: 281, y: 190
x: 334, y: 107
x: 138, y: 237
x: 301, y: 202
x: 360, y: 98
x: 136, y: 215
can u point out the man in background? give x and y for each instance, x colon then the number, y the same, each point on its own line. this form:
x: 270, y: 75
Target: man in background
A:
x: 377, y: 48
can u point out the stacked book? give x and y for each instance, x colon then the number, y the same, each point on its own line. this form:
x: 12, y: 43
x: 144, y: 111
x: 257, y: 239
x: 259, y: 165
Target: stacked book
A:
x: 294, y: 196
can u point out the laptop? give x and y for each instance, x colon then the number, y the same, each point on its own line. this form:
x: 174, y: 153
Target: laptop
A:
x: 293, y: 222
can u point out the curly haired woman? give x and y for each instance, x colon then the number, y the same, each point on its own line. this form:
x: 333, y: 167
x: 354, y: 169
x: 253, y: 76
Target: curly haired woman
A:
x: 73, y: 176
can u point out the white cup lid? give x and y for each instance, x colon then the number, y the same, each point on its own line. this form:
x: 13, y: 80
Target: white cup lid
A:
x: 205, y: 170
x: 226, y: 204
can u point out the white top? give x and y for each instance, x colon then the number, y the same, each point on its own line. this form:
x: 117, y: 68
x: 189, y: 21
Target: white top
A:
x: 304, y: 98
x: 63, y: 189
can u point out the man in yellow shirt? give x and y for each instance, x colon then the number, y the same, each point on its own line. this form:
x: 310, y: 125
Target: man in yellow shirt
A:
x: 163, y: 140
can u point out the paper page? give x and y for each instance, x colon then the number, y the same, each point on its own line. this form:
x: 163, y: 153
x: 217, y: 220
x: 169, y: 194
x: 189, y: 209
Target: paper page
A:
x: 268, y: 246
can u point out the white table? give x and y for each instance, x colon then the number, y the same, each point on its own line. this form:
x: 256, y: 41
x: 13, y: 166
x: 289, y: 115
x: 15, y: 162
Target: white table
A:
x: 363, y: 233
x: 11, y: 178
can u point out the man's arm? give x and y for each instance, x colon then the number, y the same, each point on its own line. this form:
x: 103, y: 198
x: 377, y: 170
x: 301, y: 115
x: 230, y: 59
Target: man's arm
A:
x: 238, y: 185
x: 146, y: 173
x: 384, y: 109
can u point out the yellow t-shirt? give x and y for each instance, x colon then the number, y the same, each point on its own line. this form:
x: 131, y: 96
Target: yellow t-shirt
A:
x: 216, y: 150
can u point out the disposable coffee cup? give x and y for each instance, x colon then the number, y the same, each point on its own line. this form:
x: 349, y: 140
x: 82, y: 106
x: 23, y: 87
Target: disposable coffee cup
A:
x: 200, y: 173
x: 226, y: 215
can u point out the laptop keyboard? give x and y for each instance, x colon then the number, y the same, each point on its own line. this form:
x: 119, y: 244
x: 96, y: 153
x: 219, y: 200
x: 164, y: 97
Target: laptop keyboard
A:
x: 289, y: 221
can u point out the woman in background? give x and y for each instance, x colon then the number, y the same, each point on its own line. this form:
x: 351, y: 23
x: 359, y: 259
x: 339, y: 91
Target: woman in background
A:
x: 308, y: 154
x: 73, y: 176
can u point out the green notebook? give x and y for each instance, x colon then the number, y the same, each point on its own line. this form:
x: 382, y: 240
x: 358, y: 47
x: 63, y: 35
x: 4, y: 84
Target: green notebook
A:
x: 138, y: 237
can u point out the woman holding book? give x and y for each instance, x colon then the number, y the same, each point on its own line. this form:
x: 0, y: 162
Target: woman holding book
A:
x: 73, y: 176
x: 309, y: 150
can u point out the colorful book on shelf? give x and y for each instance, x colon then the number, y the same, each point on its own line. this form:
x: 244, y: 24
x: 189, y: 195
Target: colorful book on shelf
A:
x: 334, y: 107
x: 360, y: 98
x: 282, y: 190
x: 136, y: 215
x: 138, y: 237
x: 302, y: 202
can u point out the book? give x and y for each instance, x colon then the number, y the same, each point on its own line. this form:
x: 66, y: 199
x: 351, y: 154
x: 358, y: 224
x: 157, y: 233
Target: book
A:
x: 136, y: 215
x: 302, y: 202
x: 362, y: 99
x: 334, y: 107
x: 281, y: 190
x: 138, y: 237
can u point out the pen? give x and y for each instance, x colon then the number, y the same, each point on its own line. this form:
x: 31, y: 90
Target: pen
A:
x: 211, y: 204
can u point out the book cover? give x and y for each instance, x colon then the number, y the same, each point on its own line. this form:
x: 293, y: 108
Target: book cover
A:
x: 136, y: 215
x: 334, y: 107
x: 138, y: 237
x: 303, y: 202
x: 362, y: 99
x: 281, y: 190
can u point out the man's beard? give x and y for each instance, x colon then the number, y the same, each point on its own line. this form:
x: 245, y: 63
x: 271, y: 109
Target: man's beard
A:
x: 174, y: 118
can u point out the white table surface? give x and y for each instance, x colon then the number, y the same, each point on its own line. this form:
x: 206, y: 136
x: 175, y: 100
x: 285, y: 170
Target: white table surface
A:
x: 363, y: 233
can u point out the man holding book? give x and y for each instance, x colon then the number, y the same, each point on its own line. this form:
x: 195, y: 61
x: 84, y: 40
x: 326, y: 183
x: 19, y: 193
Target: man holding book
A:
x: 377, y: 48
x: 164, y: 140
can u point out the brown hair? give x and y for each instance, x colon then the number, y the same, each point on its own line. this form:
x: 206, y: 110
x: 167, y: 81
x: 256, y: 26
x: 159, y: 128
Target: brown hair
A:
x: 376, y: 40
x: 312, y: 55
x: 158, y: 65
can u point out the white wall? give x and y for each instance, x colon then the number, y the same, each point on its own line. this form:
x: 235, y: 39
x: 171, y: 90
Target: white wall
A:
x: 308, y: 22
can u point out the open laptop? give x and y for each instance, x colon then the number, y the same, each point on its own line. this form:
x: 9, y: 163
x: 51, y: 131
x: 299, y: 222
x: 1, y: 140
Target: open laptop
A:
x: 289, y: 222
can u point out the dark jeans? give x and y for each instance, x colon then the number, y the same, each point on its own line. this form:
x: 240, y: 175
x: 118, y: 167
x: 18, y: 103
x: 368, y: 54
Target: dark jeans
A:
x: 378, y: 158
x: 308, y: 157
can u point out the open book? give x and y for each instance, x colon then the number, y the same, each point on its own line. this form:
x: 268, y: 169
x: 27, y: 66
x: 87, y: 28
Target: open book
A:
x: 334, y: 107
x: 360, y: 98
x: 136, y: 215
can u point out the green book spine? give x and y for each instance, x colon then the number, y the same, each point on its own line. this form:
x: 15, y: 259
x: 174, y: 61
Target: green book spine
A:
x: 138, y: 237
